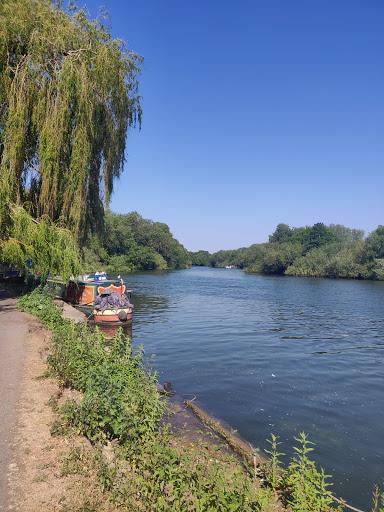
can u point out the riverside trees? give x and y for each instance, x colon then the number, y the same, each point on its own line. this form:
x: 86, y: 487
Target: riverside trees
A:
x: 130, y: 242
x: 322, y: 251
x: 68, y: 94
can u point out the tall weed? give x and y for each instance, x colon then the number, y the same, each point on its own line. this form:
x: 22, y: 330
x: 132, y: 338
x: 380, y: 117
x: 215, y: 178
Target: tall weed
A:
x: 300, y: 486
x: 40, y: 303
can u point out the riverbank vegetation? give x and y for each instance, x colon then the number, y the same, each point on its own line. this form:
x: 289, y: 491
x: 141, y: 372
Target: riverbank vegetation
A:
x: 136, y: 461
x: 119, y: 408
x: 319, y: 251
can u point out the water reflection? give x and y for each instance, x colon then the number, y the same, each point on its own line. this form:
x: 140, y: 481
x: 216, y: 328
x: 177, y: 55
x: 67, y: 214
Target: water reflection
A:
x: 110, y: 330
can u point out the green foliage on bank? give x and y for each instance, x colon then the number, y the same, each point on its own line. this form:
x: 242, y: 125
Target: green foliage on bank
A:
x: 300, y: 485
x: 130, y: 242
x: 43, y: 243
x: 333, y: 251
x: 119, y: 395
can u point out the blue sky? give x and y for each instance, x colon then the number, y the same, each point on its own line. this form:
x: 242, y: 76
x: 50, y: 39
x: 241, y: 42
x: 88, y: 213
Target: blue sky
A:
x: 254, y: 113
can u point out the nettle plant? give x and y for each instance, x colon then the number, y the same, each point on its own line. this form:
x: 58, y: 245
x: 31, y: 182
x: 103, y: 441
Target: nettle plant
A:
x: 119, y: 394
x: 300, y: 486
x: 118, y: 388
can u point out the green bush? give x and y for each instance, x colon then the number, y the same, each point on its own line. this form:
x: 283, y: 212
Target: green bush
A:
x: 39, y: 303
x: 300, y: 486
x: 119, y: 392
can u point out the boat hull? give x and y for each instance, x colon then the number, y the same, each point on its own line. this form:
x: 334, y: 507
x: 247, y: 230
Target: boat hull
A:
x: 112, y: 316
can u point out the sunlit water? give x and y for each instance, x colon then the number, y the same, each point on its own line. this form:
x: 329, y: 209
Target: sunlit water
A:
x: 276, y: 355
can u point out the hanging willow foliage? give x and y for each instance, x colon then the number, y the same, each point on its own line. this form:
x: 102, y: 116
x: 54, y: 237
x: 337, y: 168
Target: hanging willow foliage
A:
x: 68, y: 94
x: 46, y: 246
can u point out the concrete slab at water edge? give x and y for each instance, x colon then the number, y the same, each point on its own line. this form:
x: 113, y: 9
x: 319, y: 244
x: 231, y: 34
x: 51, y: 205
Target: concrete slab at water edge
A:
x: 71, y: 313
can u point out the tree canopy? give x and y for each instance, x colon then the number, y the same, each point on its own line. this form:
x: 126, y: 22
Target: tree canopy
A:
x: 130, y: 242
x: 68, y: 94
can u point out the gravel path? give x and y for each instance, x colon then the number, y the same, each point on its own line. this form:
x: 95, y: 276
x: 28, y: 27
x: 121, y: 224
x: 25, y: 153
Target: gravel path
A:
x: 13, y: 329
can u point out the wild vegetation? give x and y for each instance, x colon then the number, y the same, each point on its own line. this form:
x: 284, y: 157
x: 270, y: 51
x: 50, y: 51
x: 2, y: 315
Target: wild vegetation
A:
x: 318, y: 251
x: 68, y: 94
x: 118, y: 407
x: 129, y: 242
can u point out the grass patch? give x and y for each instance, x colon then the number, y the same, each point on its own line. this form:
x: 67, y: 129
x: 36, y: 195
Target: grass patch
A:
x: 43, y: 477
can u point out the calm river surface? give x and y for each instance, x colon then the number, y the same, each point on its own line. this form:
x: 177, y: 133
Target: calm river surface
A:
x: 276, y: 355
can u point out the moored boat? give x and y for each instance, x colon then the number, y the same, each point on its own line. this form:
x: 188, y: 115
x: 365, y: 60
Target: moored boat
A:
x: 112, y: 306
x: 104, y: 301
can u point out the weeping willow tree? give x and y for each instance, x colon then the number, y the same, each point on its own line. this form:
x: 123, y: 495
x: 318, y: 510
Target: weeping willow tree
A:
x: 68, y: 94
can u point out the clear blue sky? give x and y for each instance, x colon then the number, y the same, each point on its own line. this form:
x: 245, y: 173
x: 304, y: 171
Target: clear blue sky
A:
x: 255, y: 113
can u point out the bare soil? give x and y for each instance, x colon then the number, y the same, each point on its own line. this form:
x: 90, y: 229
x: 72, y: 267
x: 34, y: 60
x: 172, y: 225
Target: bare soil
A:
x: 35, y: 484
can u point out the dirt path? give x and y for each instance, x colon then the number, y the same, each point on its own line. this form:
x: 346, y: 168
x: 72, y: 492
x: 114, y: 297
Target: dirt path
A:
x: 13, y: 329
x: 35, y: 483
x: 29, y: 457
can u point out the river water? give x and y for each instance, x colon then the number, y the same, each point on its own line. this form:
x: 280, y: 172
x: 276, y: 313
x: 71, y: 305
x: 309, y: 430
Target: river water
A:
x: 276, y: 355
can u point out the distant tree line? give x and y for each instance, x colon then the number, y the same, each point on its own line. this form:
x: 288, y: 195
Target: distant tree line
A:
x: 130, y: 242
x: 318, y: 251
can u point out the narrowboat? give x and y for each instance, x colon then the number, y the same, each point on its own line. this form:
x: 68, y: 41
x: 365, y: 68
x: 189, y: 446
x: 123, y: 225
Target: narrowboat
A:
x: 103, y: 301
x: 8, y: 273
